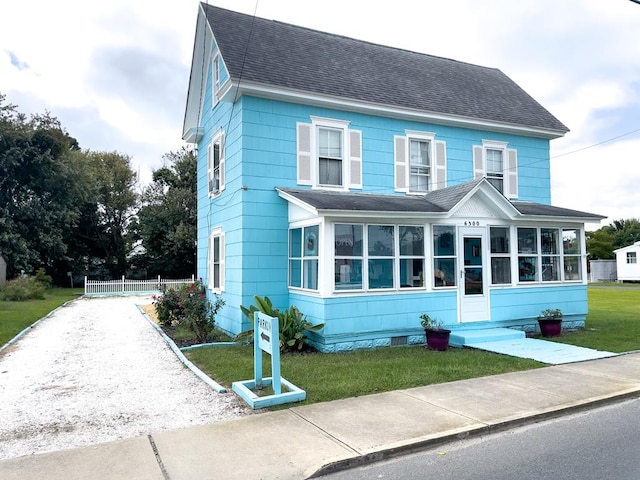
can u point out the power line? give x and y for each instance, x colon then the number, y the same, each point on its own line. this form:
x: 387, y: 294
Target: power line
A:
x: 604, y: 141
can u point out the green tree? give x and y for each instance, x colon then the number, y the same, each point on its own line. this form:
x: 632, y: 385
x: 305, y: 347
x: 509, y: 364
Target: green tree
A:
x: 168, y: 217
x: 620, y: 233
x: 37, y: 205
x: 116, y: 204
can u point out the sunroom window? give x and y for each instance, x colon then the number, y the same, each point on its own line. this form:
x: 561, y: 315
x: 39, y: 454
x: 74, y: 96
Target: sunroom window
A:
x: 303, y: 257
x: 444, y: 256
x: 500, y: 255
x: 542, y: 258
x: 348, y: 251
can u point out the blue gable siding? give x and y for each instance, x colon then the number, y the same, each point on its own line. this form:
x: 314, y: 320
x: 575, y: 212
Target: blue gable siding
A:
x: 261, y: 155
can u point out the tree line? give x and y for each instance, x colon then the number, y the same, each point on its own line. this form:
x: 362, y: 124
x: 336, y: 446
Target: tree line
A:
x: 78, y: 212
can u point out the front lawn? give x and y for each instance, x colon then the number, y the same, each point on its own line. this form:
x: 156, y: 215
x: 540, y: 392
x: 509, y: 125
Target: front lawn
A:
x: 16, y: 316
x: 613, y: 324
x: 330, y: 376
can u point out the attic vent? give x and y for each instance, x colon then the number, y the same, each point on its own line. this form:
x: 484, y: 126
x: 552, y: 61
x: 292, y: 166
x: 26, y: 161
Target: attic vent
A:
x: 397, y: 341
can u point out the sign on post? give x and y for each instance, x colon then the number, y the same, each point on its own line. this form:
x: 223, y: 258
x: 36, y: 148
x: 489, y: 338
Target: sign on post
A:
x: 266, y: 338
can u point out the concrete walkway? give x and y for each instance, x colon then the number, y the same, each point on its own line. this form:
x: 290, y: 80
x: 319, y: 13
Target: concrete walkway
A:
x: 307, y: 441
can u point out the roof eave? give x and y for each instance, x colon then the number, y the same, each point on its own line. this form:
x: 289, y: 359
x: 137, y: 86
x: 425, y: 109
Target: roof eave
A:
x: 297, y: 96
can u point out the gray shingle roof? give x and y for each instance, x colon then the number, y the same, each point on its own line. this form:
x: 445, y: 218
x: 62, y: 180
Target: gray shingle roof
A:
x: 436, y: 202
x: 288, y: 56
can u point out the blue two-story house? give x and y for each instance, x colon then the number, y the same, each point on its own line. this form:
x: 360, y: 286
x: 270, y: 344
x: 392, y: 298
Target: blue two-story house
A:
x: 366, y: 185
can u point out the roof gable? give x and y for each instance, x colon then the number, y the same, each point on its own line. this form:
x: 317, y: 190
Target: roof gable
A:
x: 291, y: 58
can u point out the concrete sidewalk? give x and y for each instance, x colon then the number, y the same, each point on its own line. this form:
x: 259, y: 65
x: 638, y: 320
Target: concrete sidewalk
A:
x: 307, y: 441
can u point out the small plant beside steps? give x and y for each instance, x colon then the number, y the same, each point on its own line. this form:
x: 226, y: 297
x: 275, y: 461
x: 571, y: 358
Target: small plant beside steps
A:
x: 436, y: 335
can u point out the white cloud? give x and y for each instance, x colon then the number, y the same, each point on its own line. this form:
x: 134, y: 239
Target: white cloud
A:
x: 115, y: 73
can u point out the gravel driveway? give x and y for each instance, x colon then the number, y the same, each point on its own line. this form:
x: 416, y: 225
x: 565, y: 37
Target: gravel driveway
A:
x: 95, y: 371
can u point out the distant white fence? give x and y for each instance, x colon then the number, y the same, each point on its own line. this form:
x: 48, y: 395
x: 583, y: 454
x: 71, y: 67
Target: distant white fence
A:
x: 123, y: 286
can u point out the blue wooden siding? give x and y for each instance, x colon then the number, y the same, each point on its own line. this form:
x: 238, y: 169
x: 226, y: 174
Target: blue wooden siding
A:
x: 261, y: 155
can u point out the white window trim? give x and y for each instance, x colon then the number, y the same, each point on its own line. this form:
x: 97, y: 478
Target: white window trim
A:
x: 509, y: 165
x: 343, y: 125
x: 431, y: 138
x: 216, y: 232
x: 217, y: 138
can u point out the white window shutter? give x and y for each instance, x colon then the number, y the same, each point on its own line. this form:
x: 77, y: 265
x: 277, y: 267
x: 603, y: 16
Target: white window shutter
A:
x: 400, y: 163
x: 440, y: 167
x: 511, y: 175
x: 210, y: 262
x: 355, y: 159
x: 222, y: 256
x: 478, y: 161
x: 222, y: 163
x: 304, y: 153
x: 210, y: 168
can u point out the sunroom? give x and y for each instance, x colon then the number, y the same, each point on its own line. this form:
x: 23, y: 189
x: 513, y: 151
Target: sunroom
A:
x: 464, y: 252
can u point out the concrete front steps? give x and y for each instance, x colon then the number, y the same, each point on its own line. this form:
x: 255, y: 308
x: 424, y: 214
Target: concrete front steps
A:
x: 513, y: 342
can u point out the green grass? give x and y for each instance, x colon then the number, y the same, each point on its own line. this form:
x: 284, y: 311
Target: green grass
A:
x: 16, y: 316
x: 330, y: 376
x: 613, y: 322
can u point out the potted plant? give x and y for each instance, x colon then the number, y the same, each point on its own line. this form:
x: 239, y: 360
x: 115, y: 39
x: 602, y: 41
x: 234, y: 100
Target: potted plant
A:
x: 437, y: 336
x: 550, y: 322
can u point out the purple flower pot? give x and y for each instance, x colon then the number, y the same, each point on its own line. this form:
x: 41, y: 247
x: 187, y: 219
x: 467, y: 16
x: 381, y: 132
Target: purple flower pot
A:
x: 437, y: 339
x: 550, y: 328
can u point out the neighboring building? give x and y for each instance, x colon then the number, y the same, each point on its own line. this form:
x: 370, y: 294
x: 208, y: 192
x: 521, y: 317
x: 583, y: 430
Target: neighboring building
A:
x: 366, y: 185
x: 602, y: 271
x: 627, y: 263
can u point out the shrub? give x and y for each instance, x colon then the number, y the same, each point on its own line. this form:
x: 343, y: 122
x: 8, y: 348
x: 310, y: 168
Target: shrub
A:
x: 188, y: 305
x: 21, y: 289
x: 292, y: 324
x: 42, y: 278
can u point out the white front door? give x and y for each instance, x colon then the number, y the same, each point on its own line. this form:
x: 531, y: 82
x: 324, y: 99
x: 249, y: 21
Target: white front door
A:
x: 473, y: 293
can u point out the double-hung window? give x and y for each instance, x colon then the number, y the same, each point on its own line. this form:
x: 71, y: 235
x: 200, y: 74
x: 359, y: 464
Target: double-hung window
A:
x: 330, y: 157
x: 216, y: 260
x: 329, y: 154
x: 495, y: 168
x: 216, y: 162
x: 419, y: 165
x: 498, y: 164
x: 631, y: 257
x: 420, y: 162
x: 411, y: 242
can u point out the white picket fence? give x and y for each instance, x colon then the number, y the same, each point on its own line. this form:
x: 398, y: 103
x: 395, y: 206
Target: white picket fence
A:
x: 124, y: 286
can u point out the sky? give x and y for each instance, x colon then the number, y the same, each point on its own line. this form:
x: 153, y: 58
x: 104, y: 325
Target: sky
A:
x: 115, y: 72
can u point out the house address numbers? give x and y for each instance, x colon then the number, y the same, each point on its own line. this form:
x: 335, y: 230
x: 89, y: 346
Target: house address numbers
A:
x: 471, y: 223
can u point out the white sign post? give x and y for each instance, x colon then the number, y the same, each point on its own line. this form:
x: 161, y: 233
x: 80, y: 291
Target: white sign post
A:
x: 266, y: 338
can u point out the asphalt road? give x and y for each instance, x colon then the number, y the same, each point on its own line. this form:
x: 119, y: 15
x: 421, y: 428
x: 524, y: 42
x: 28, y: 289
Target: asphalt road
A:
x: 599, y: 444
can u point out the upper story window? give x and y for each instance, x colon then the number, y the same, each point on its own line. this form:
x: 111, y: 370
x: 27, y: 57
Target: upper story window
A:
x: 215, y: 164
x: 419, y: 165
x: 631, y: 257
x: 215, y: 79
x: 420, y: 162
x: 498, y: 164
x: 329, y: 154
